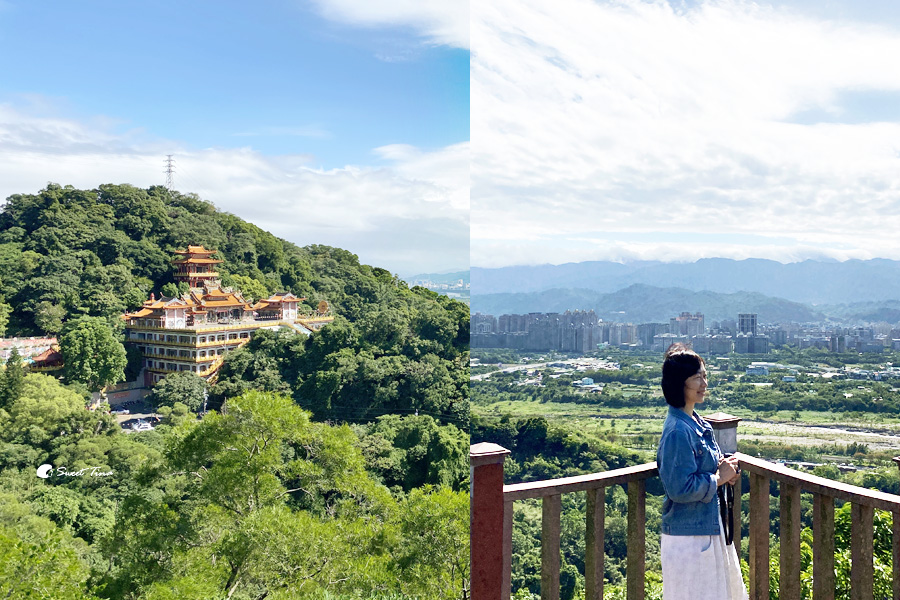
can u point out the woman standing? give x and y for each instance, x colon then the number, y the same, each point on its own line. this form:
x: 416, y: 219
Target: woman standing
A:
x: 696, y: 562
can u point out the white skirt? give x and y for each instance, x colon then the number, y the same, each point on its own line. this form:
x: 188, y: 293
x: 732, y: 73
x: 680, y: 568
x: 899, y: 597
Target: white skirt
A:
x: 700, y: 567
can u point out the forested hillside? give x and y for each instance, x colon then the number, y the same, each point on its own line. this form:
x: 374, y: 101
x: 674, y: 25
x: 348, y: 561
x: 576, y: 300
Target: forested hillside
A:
x: 67, y: 253
x: 333, y: 465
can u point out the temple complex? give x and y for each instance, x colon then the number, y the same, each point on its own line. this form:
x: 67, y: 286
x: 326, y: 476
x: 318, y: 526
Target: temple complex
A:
x: 196, y: 268
x: 195, y: 331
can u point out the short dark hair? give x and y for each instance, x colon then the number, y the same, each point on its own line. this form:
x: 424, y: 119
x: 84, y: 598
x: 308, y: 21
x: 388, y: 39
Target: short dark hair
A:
x: 679, y: 364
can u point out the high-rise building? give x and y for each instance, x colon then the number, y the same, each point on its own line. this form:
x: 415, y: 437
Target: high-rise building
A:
x: 647, y: 331
x: 687, y: 324
x: 482, y: 323
x: 747, y: 323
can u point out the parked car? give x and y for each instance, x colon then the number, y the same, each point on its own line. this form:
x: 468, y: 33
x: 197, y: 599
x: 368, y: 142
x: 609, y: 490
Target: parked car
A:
x: 142, y: 425
x: 121, y: 411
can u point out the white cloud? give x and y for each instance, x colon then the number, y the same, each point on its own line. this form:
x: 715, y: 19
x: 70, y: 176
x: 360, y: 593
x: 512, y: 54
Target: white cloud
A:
x: 637, y: 117
x: 380, y: 213
x: 692, y: 248
x: 441, y: 22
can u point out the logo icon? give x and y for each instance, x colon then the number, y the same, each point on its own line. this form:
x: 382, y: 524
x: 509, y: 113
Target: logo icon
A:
x: 43, y: 471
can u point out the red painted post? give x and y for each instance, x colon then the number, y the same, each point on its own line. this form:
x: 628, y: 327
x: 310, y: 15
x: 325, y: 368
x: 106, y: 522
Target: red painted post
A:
x: 486, y: 550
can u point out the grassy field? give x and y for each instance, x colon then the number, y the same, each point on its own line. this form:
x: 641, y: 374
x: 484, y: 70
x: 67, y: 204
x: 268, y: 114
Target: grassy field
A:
x: 640, y: 428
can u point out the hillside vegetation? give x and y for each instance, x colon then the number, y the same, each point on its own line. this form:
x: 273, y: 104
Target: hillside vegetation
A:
x: 332, y: 466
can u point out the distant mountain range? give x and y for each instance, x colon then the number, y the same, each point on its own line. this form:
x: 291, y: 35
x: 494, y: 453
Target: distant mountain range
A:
x: 814, y: 282
x: 640, y: 303
x: 440, y: 277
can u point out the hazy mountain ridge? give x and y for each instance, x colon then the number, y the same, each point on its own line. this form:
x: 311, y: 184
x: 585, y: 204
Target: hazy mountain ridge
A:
x: 642, y: 304
x: 810, y: 281
x: 451, y: 277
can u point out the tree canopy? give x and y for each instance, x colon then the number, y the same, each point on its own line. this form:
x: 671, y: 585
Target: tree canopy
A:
x: 185, y: 387
x: 92, y: 355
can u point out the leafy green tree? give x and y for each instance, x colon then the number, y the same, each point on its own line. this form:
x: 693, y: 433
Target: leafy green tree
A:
x: 175, y: 415
x: 49, y: 317
x: 134, y: 298
x: 185, y: 387
x: 246, y: 369
x: 12, y: 379
x: 91, y: 353
x: 5, y: 310
x: 38, y: 559
x: 261, y: 499
x: 170, y: 290
x: 42, y: 411
x: 433, y: 558
x: 252, y: 289
x: 414, y: 451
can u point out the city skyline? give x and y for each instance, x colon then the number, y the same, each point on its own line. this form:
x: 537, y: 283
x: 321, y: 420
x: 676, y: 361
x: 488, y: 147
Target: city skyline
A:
x: 325, y: 122
x: 676, y: 131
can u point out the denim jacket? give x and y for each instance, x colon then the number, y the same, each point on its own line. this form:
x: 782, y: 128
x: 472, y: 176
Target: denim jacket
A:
x: 688, y: 458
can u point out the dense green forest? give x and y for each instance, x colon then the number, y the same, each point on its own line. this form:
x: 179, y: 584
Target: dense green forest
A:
x: 333, y: 465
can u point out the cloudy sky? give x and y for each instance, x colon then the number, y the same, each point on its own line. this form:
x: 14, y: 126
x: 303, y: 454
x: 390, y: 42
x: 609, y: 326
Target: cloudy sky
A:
x: 340, y: 122
x: 617, y: 130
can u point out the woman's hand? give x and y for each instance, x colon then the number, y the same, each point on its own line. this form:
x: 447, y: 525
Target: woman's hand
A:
x: 728, y: 471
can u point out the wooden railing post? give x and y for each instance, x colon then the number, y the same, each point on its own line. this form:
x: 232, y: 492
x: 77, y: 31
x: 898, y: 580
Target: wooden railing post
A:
x: 490, y: 551
x: 862, y: 552
x: 551, y: 508
x: 823, y: 547
x: 895, y: 517
x: 593, y: 544
x: 789, y: 579
x: 637, y: 546
x: 759, y: 537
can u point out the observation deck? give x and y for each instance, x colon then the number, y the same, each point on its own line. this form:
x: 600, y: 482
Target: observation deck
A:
x: 492, y: 528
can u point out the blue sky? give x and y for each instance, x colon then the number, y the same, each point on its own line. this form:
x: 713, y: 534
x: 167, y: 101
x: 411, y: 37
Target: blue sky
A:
x: 684, y: 129
x: 365, y: 109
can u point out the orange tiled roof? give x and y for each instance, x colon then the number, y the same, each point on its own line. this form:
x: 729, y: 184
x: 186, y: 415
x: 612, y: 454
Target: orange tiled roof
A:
x: 197, y: 261
x: 165, y: 303
x: 195, y: 250
x: 217, y: 303
x: 283, y: 297
x: 48, y: 355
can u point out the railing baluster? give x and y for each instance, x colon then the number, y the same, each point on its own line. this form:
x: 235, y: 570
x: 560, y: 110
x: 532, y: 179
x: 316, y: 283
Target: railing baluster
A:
x: 550, y: 527
x: 789, y: 506
x: 759, y: 537
x: 506, y: 590
x: 823, y: 547
x: 896, y: 522
x: 593, y: 547
x: 637, y: 547
x: 862, y: 571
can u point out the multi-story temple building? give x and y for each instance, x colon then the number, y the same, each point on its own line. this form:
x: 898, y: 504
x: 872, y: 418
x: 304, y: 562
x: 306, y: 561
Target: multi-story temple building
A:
x: 195, y: 331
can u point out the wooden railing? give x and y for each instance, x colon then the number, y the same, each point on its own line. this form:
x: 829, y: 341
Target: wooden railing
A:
x: 492, y: 523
